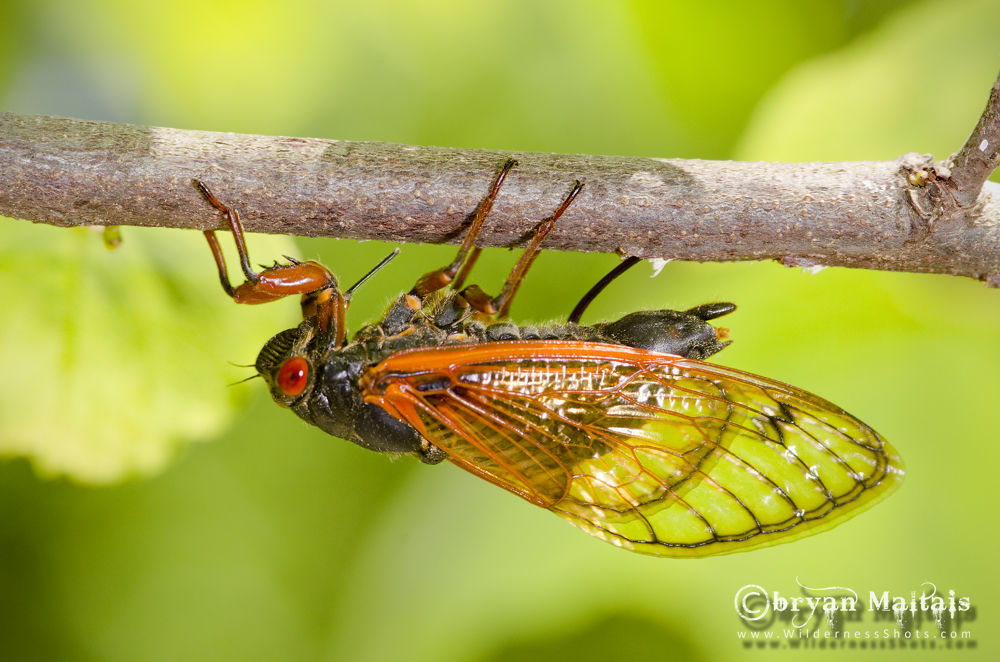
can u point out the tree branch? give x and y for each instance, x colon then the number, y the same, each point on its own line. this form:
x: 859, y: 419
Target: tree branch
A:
x: 978, y: 158
x: 911, y: 214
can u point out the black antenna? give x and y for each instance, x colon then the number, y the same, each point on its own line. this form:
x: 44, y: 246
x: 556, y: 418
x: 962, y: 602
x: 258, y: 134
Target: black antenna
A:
x: 385, y: 261
x: 244, y: 380
x: 628, y: 263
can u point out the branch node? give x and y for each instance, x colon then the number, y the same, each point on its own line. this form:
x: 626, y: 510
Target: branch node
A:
x: 933, y: 194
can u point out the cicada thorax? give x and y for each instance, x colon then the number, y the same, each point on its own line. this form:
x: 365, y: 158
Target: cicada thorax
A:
x: 618, y: 427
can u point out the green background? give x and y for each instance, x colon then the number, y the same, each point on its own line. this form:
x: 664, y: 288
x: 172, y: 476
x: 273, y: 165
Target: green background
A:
x: 120, y: 541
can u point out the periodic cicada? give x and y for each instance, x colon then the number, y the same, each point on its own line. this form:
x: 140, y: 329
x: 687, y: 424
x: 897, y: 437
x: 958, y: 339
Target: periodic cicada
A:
x: 620, y: 428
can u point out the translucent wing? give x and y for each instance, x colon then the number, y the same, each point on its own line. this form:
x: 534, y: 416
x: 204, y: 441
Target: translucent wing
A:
x: 658, y: 454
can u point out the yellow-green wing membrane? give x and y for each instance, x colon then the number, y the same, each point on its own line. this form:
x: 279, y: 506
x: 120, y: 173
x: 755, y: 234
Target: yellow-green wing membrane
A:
x: 658, y: 454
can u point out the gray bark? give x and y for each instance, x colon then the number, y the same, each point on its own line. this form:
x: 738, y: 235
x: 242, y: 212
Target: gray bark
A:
x: 911, y: 214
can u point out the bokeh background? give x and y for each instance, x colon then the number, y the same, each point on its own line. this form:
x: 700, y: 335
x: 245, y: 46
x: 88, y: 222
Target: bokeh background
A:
x: 267, y: 540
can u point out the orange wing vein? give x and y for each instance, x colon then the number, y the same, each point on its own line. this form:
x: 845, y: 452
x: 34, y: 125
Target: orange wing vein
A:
x: 658, y: 454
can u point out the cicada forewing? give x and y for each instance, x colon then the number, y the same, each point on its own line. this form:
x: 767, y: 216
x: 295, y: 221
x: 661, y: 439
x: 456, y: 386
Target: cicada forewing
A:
x: 658, y: 454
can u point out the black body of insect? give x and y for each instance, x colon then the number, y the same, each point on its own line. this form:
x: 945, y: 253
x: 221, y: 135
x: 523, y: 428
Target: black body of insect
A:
x: 619, y: 427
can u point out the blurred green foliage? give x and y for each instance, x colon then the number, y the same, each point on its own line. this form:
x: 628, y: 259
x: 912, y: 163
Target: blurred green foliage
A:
x: 911, y: 87
x: 278, y: 542
x: 118, y: 356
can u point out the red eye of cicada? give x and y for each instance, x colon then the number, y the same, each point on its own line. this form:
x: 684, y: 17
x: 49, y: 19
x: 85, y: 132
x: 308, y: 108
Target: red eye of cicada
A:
x: 293, y: 376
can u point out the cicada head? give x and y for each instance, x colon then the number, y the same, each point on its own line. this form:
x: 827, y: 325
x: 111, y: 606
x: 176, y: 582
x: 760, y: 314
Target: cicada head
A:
x: 320, y: 384
x: 285, y: 366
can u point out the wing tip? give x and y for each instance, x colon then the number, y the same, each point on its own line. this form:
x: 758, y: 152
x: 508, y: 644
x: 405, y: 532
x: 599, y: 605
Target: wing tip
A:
x: 891, y: 480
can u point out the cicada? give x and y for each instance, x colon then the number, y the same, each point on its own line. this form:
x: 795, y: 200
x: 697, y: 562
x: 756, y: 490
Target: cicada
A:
x: 621, y: 428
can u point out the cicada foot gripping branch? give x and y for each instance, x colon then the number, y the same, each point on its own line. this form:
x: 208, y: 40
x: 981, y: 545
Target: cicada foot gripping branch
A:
x: 620, y: 427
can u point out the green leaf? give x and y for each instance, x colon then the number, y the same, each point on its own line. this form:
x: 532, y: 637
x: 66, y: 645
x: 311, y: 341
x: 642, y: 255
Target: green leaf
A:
x: 111, y: 360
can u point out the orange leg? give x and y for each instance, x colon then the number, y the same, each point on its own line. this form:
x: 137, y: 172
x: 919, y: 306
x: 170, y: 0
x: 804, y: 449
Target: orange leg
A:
x: 316, y: 284
x: 481, y: 301
x: 441, y: 278
x: 463, y: 275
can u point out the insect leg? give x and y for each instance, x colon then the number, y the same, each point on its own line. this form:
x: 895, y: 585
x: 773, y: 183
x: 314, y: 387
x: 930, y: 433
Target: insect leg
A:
x: 220, y: 262
x: 312, y: 280
x: 628, y: 263
x: 466, y: 268
x: 441, y: 278
x: 236, y: 226
x: 482, y: 301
